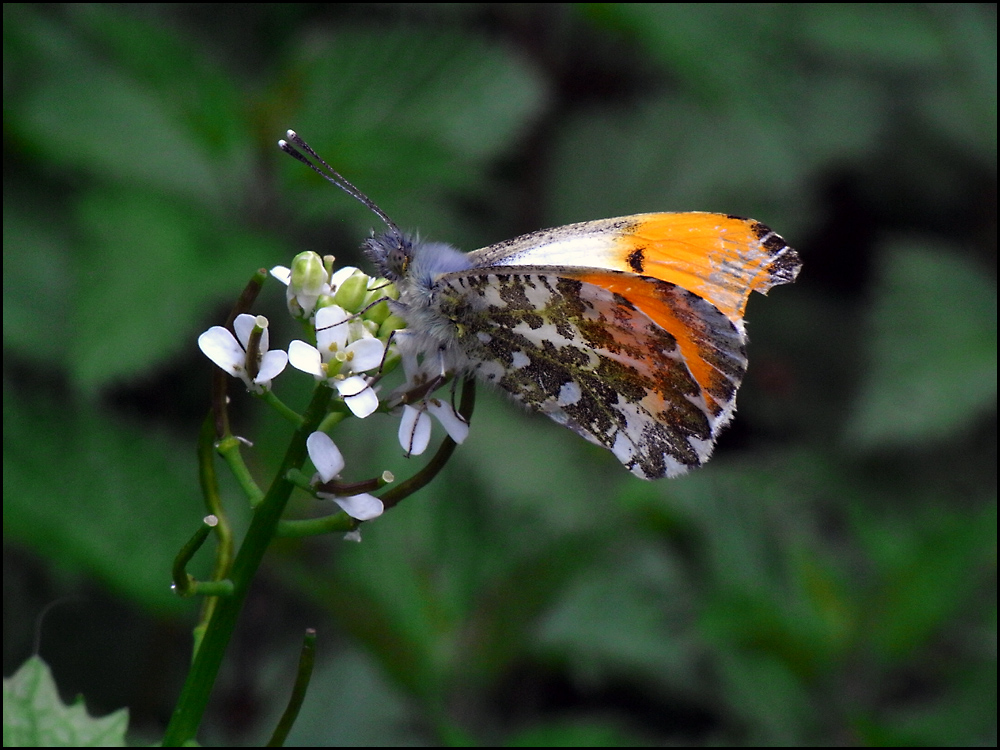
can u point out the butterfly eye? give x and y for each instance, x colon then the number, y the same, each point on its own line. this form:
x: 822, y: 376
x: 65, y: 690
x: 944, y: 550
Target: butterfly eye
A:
x: 398, y: 260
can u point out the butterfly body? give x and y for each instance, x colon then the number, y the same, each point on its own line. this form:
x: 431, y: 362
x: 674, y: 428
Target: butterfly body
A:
x: 628, y: 331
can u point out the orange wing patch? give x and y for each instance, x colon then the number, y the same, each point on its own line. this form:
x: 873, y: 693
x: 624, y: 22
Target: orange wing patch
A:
x: 712, y: 347
x: 720, y: 258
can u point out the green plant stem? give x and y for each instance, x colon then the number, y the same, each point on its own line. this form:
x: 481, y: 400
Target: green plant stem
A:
x: 223, y: 531
x: 197, y: 689
x: 229, y: 449
x: 316, y: 526
x: 283, y: 409
x: 212, y: 589
x: 332, y: 419
x: 213, y: 501
x: 183, y: 582
x: 306, y: 661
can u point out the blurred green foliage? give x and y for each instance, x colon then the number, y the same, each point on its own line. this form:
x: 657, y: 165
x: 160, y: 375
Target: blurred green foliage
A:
x: 829, y: 578
x: 32, y: 690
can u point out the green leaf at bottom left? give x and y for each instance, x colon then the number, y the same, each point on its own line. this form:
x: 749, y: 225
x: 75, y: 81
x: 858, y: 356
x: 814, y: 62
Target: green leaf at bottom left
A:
x: 35, y: 716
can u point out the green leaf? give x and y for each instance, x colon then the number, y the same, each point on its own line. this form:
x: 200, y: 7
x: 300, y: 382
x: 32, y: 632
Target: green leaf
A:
x: 930, y: 565
x: 150, y: 270
x: 86, y: 112
x: 198, y: 92
x: 35, y: 716
x: 714, y: 49
x: 584, y: 731
x: 771, y: 702
x: 875, y: 35
x: 107, y: 497
x: 671, y: 154
x: 630, y: 616
x: 932, y: 349
x: 407, y: 116
x: 37, y: 281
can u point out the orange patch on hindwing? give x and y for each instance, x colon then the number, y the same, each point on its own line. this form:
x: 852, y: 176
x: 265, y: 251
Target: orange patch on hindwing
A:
x: 710, y: 344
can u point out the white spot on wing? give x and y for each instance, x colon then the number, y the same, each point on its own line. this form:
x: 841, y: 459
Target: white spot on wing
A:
x: 623, y: 448
x: 569, y: 394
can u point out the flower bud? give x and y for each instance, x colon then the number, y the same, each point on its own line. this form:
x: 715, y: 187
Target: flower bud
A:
x: 377, y: 313
x: 308, y: 274
x: 390, y: 324
x: 351, y: 293
x: 371, y: 326
x: 325, y: 300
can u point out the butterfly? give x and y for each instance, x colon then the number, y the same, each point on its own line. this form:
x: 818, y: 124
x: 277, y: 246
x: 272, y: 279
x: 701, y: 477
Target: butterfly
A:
x: 628, y: 331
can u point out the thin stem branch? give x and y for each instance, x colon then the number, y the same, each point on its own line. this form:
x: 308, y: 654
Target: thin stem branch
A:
x: 197, y: 689
x: 224, y: 551
x: 282, y: 408
x: 229, y: 449
x: 307, y: 659
x: 316, y: 526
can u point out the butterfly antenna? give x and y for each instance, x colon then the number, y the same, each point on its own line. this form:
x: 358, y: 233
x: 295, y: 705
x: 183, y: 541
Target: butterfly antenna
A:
x: 332, y: 175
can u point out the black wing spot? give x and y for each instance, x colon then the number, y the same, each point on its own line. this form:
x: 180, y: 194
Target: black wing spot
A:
x: 637, y: 260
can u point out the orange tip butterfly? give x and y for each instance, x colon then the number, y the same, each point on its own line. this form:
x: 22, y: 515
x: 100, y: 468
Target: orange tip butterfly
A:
x: 628, y: 331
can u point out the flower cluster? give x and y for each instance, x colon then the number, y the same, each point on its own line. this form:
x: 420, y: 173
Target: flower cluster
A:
x: 348, y: 316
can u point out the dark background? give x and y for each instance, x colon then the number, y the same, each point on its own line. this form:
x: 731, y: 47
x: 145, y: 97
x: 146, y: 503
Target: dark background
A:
x: 829, y: 578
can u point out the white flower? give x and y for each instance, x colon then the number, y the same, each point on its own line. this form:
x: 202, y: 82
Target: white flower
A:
x: 415, y: 426
x: 343, y: 349
x: 329, y: 462
x: 230, y: 352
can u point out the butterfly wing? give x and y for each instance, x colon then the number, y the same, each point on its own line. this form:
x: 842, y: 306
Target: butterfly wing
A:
x: 638, y: 365
x: 717, y: 257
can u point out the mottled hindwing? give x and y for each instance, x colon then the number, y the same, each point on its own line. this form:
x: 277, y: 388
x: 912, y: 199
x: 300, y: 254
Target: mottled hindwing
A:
x: 636, y: 364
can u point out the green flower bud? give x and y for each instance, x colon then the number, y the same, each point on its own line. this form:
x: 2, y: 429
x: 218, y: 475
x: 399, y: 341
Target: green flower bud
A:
x: 381, y: 289
x: 390, y: 324
x: 351, y: 294
x: 324, y: 300
x: 377, y: 313
x: 308, y: 274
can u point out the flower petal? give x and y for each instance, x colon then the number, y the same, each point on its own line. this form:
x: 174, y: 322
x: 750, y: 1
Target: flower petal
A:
x: 340, y: 276
x: 365, y: 354
x: 325, y: 455
x: 304, y: 357
x: 243, y: 325
x: 456, y: 427
x: 220, y: 346
x: 331, y: 330
x: 358, y: 395
x: 414, y: 431
x: 271, y: 365
x: 282, y: 274
x: 363, y: 507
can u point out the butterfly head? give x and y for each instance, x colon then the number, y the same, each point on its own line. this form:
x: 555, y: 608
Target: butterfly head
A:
x: 391, y: 253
